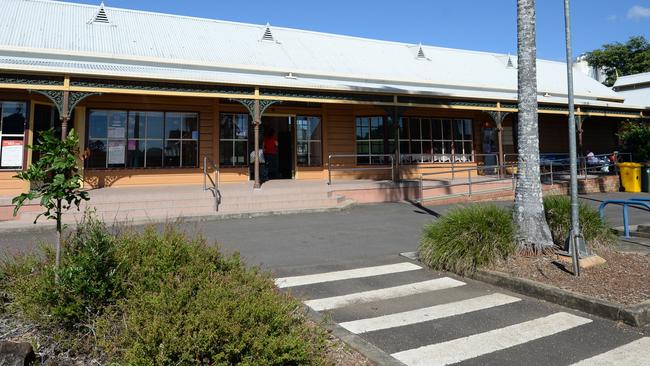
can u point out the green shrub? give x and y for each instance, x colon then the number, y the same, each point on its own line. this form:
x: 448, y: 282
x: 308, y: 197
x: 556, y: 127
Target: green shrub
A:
x: 635, y: 139
x: 597, y: 233
x: 88, y: 278
x: 160, y: 299
x: 188, y: 304
x: 468, y: 238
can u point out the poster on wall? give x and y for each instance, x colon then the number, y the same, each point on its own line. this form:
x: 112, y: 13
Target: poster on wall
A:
x: 11, y: 154
x: 116, y: 152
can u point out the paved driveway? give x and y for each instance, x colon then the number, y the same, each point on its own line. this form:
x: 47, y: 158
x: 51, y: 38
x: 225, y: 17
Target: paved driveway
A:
x: 347, y: 265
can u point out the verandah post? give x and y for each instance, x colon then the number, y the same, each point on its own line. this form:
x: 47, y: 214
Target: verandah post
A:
x: 257, y: 120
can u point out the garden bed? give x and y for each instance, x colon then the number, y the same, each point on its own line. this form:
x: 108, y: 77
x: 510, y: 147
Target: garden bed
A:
x: 156, y: 298
x: 622, y: 280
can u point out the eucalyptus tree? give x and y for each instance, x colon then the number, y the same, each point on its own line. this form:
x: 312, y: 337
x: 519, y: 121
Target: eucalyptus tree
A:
x: 533, y: 233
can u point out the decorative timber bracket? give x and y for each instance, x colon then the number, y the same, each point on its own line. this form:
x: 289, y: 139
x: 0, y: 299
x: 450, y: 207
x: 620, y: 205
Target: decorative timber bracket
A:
x: 64, y: 104
x: 256, y: 107
x: 498, y: 117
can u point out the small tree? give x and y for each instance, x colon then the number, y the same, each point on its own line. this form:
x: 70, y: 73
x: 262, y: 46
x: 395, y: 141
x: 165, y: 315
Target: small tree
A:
x: 635, y: 139
x: 54, y: 179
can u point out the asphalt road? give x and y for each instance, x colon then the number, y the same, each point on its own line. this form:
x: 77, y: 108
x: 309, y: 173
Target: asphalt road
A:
x: 426, y: 317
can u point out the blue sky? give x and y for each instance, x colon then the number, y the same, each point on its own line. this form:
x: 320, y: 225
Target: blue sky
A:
x: 486, y: 25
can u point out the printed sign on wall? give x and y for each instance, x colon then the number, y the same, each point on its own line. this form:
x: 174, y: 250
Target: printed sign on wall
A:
x: 12, y: 154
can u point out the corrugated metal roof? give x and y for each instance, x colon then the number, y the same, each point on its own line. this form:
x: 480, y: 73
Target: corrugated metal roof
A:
x: 629, y: 80
x: 636, y: 96
x: 46, y: 34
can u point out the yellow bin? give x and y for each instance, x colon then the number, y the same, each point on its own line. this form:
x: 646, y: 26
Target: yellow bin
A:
x: 630, y: 176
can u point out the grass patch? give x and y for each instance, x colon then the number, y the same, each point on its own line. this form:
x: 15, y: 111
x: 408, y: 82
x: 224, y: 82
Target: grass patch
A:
x: 598, y: 234
x: 159, y: 299
x: 468, y: 238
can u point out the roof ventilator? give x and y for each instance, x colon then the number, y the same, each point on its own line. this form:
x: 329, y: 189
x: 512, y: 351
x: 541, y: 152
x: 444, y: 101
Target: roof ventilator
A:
x: 420, y: 55
x: 509, y: 63
x: 101, y: 16
x: 268, y: 35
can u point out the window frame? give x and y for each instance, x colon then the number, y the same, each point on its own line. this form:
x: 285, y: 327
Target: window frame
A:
x: 164, y: 139
x: 385, y: 140
x: 309, y: 141
x: 24, y: 135
x: 235, y: 140
x: 445, y: 138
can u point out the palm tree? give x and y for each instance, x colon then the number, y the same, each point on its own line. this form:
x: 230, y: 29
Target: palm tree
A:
x: 533, y: 233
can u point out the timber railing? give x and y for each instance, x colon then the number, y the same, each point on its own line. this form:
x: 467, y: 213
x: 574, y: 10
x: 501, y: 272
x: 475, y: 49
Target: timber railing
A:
x: 211, y: 182
x: 381, y: 166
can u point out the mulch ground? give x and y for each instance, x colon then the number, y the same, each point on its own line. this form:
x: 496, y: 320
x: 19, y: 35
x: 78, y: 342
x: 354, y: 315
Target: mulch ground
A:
x: 624, y: 279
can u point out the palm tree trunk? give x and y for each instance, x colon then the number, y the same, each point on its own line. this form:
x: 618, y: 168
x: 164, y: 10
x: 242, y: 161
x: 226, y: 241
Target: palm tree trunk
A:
x: 533, y: 233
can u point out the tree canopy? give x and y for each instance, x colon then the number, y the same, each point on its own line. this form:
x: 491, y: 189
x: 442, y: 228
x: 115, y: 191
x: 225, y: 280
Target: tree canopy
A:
x: 631, y: 57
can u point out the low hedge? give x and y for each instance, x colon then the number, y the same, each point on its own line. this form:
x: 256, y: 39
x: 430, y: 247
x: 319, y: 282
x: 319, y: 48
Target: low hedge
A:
x: 597, y: 233
x: 467, y: 238
x: 159, y: 299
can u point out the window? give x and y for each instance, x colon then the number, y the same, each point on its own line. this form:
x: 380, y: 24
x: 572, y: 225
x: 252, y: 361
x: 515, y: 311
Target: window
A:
x: 138, y: 139
x: 233, y: 139
x: 12, y: 134
x: 373, y: 140
x: 426, y: 140
x: 309, y: 143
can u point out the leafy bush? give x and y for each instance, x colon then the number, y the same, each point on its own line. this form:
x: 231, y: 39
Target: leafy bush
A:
x: 468, y: 238
x: 558, y: 215
x: 635, y: 139
x: 161, y: 299
x: 88, y: 279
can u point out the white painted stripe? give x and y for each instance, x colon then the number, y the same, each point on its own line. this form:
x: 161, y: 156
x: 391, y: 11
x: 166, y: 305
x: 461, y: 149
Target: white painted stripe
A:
x: 383, y: 294
x: 345, y: 275
x: 427, y: 314
x: 636, y: 353
x: 462, y: 349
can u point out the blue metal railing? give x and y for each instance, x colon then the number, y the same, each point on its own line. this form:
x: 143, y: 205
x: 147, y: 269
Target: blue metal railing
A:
x: 637, y: 201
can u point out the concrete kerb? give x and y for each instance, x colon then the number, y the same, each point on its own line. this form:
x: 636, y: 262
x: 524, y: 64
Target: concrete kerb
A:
x: 370, y: 351
x: 50, y: 225
x: 635, y: 315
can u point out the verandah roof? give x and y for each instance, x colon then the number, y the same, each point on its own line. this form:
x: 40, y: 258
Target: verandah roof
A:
x: 58, y: 37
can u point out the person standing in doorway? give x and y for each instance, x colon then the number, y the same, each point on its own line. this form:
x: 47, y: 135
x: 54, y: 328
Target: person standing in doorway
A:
x: 271, y: 153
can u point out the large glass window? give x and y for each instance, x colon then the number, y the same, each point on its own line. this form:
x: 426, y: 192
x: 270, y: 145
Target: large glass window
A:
x: 140, y: 139
x: 309, y: 141
x: 233, y: 139
x: 427, y: 140
x: 373, y: 140
x: 12, y: 134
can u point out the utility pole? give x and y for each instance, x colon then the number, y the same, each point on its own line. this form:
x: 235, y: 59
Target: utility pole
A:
x: 575, y: 243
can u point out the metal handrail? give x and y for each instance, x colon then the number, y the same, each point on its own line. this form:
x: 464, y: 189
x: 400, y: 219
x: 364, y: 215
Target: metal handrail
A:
x: 356, y: 156
x: 469, y: 181
x: 631, y: 202
x: 214, y: 182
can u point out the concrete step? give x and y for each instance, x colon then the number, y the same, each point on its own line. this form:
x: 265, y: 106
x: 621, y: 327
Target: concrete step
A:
x: 643, y: 229
x: 143, y: 214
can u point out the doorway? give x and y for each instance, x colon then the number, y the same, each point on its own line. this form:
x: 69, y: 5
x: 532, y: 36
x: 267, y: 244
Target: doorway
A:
x: 283, y: 165
x: 45, y: 117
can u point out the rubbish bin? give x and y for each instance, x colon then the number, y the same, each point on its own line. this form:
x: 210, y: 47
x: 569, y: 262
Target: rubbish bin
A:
x: 630, y: 176
x: 645, y: 177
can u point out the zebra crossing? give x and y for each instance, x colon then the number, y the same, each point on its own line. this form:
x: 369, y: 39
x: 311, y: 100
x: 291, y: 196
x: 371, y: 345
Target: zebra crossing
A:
x: 419, y: 318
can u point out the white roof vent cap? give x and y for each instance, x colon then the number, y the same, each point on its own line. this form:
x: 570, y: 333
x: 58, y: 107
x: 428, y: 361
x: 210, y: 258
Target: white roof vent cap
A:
x: 101, y: 16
